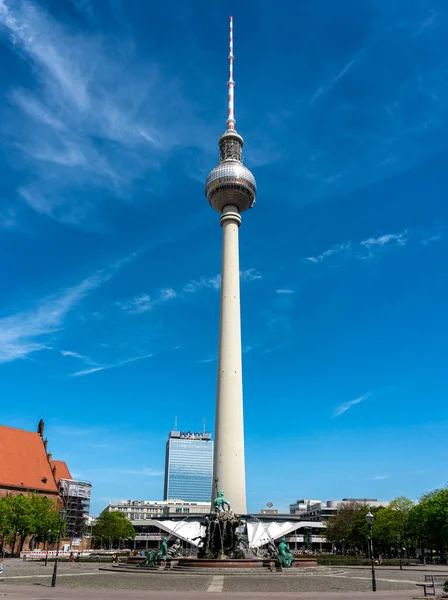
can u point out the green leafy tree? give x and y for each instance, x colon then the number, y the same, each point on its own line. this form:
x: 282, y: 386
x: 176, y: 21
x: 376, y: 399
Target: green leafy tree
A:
x: 113, y: 526
x: 429, y: 521
x: 391, y: 523
x: 5, y: 517
x: 348, y: 528
x: 22, y: 520
x: 46, y: 519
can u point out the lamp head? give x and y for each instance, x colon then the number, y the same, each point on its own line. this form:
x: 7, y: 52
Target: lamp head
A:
x: 370, y: 518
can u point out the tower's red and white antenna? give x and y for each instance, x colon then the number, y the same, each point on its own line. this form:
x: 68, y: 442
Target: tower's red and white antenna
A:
x: 231, y: 84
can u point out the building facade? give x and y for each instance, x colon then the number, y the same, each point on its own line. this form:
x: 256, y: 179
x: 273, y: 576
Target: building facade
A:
x: 318, y: 511
x: 26, y: 467
x: 139, y: 510
x: 189, y: 466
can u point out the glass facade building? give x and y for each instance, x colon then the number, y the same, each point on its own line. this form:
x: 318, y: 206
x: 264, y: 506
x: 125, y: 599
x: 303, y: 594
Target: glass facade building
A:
x: 189, y: 466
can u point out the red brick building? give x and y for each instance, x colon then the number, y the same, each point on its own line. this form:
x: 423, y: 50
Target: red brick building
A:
x: 26, y: 466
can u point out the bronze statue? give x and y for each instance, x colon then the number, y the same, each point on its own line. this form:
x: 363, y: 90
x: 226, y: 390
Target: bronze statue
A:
x: 219, y: 502
x: 285, y: 558
x: 163, y: 550
x: 150, y: 560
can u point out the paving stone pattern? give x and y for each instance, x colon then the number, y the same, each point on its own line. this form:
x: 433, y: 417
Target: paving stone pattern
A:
x: 316, y: 579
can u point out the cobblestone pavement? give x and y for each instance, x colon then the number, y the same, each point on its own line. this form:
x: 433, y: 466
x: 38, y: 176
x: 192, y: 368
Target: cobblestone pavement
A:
x: 312, y: 580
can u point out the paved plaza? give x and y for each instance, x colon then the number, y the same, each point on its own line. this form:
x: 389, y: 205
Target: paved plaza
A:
x: 32, y: 580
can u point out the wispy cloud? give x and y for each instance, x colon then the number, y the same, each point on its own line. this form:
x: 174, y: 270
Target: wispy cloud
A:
x: 8, y: 218
x: 31, y: 330
x: 250, y: 275
x: 144, y: 471
x: 380, y: 477
x: 213, y: 282
x: 26, y: 332
x: 429, y: 22
x: 324, y: 89
x: 342, y: 408
x: 285, y: 291
x: 120, y: 363
x: 334, y: 250
x: 210, y: 359
x: 363, y: 250
x: 69, y: 123
x: 382, y: 240
x: 73, y: 354
x: 431, y: 239
x: 144, y: 302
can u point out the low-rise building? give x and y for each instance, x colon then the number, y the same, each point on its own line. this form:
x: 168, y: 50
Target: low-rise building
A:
x: 318, y: 511
x: 302, y: 506
x: 137, y: 510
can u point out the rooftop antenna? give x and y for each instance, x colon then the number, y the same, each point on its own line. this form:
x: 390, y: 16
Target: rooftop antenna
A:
x: 203, y: 426
x: 175, y: 423
x: 231, y: 85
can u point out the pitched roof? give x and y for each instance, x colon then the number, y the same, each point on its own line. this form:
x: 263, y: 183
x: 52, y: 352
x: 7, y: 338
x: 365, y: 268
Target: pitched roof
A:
x: 23, y: 461
x: 61, y: 471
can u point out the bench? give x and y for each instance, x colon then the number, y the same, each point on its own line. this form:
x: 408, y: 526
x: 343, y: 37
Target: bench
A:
x: 432, y: 583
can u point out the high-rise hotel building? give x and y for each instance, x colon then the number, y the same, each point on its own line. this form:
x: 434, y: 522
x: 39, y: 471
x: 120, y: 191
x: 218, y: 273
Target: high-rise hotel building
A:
x: 189, y: 466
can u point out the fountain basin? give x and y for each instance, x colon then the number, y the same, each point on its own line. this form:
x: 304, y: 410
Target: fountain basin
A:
x: 216, y: 563
x: 242, y: 563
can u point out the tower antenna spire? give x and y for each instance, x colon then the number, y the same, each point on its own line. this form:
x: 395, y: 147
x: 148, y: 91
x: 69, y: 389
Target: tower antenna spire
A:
x: 231, y: 85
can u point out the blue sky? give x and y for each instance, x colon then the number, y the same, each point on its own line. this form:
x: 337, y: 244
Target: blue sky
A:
x: 110, y: 114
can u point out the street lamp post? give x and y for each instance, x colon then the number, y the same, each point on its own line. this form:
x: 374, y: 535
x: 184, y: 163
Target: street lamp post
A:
x: 61, y: 523
x: 399, y: 548
x: 370, y: 519
x: 46, y: 556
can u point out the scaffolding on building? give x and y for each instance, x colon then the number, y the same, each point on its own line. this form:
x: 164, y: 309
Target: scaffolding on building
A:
x: 75, y: 497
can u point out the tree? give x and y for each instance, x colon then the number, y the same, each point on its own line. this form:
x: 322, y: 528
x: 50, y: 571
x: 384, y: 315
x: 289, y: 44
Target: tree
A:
x: 21, y: 518
x: 5, y: 517
x: 348, y: 527
x: 390, y: 526
x: 429, y: 519
x: 113, y: 526
x: 25, y: 516
x: 46, y: 518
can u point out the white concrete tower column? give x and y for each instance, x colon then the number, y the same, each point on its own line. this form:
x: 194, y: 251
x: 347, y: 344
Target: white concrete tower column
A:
x: 229, y: 466
x: 230, y: 189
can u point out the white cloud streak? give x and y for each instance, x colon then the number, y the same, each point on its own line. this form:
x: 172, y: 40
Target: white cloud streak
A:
x: 334, y: 250
x: 74, y: 116
x: 250, y: 275
x: 324, y: 89
x: 380, y: 477
x: 26, y: 332
x: 144, y: 471
x: 431, y: 239
x: 383, y: 240
x: 31, y: 330
x: 111, y: 366
x: 365, y: 249
x: 204, y: 282
x: 342, y: 408
x: 144, y: 302
x: 285, y: 291
x: 74, y: 355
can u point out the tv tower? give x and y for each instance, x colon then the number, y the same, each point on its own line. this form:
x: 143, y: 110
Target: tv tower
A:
x: 230, y: 189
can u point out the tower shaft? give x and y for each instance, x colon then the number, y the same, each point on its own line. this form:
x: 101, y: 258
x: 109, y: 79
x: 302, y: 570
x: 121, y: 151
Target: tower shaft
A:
x: 228, y: 464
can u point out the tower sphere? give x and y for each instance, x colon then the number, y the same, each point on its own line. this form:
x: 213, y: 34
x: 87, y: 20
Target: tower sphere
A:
x: 231, y: 182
